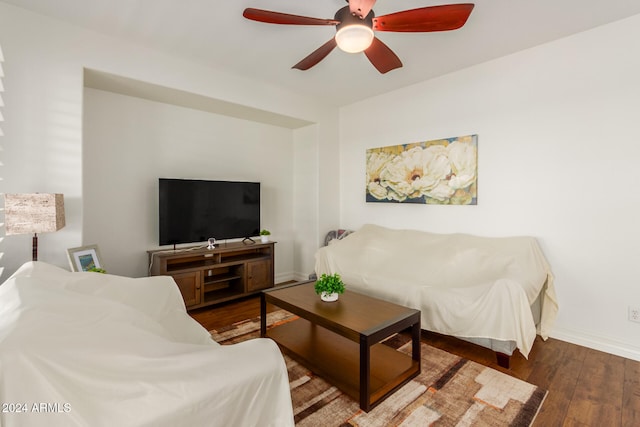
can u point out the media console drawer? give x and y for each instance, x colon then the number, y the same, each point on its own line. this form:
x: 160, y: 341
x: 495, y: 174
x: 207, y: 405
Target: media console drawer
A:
x: 209, y: 276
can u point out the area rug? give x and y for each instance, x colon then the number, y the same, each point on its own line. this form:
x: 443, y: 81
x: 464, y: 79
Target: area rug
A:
x: 450, y: 390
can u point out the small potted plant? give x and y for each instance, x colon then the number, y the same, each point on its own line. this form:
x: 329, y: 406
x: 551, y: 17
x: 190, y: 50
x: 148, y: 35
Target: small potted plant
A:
x: 264, y: 235
x: 329, y: 286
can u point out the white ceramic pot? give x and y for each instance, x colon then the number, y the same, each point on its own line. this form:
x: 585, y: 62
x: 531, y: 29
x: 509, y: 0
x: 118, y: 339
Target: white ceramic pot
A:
x: 329, y: 297
x: 265, y: 239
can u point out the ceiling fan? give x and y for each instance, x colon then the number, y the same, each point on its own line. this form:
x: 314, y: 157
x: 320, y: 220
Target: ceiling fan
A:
x: 355, y: 25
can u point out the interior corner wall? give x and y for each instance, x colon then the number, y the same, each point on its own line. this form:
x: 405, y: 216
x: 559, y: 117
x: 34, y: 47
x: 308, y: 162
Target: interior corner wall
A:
x: 329, y: 177
x: 306, y: 224
x: 558, y: 148
x: 44, y: 63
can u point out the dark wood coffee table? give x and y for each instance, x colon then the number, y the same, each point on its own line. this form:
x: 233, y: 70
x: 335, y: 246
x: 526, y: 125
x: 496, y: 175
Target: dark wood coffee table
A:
x: 340, y: 341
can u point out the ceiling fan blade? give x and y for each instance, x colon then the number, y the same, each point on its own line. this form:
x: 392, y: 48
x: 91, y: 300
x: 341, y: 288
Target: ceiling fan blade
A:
x: 284, y: 18
x: 382, y: 57
x: 361, y: 8
x: 425, y: 19
x: 317, y: 55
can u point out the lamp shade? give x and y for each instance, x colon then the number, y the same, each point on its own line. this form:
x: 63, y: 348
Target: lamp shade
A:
x: 33, y: 213
x: 354, y: 38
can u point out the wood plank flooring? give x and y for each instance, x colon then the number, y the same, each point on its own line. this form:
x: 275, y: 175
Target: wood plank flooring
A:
x: 586, y: 387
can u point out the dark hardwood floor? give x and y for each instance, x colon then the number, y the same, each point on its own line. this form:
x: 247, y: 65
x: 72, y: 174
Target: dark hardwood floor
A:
x: 586, y: 387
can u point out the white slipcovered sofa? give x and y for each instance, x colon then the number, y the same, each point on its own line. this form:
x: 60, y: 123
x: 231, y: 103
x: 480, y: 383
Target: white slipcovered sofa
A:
x: 90, y: 349
x: 496, y: 292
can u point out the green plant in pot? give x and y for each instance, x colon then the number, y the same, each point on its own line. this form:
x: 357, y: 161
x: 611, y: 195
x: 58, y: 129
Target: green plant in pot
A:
x: 329, y: 286
x: 264, y: 235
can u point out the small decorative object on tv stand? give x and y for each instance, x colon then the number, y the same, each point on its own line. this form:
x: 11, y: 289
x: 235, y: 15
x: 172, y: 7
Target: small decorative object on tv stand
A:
x: 210, y: 276
x: 212, y: 243
x: 264, y: 235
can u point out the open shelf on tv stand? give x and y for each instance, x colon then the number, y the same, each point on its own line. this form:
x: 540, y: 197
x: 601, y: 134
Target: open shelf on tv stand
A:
x: 210, y: 276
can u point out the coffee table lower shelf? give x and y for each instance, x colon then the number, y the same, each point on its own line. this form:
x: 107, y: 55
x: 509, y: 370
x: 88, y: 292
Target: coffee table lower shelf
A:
x: 337, y: 359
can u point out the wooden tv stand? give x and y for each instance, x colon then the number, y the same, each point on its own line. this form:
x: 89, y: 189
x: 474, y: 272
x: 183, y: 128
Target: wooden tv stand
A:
x: 210, y: 276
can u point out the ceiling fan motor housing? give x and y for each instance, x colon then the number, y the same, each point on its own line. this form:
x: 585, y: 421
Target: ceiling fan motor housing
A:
x: 346, y: 18
x: 353, y: 35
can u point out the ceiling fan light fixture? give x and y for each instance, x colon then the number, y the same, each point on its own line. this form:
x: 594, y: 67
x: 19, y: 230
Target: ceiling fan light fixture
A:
x: 354, y: 38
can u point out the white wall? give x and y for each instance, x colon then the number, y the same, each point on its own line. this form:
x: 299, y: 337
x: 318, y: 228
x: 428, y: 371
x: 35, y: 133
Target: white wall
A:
x: 317, y: 189
x: 128, y: 143
x: 306, y: 199
x: 558, y: 149
x: 44, y: 63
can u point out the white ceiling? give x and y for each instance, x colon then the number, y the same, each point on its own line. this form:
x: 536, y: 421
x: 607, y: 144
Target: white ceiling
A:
x: 215, y: 33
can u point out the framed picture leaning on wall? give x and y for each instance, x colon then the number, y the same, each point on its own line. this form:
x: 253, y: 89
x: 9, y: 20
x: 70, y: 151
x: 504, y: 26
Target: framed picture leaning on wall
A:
x: 85, y: 258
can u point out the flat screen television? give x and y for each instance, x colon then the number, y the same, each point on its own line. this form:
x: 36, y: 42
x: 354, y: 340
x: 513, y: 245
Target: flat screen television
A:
x: 195, y: 210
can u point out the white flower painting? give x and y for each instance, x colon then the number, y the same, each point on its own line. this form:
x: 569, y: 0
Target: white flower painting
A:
x: 440, y: 172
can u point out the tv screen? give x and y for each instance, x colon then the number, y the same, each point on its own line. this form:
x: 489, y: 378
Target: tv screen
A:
x: 196, y: 210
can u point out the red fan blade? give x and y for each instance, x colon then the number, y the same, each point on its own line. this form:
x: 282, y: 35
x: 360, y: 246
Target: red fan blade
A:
x: 382, y: 57
x: 361, y: 8
x: 425, y: 19
x: 284, y: 18
x: 316, y: 56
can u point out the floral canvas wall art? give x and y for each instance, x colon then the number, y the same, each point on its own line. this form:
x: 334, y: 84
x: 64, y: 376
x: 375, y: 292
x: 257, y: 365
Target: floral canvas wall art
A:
x: 442, y: 172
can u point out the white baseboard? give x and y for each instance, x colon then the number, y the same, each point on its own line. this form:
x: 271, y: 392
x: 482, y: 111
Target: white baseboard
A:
x: 291, y: 275
x: 597, y: 342
x: 302, y: 277
x: 285, y: 277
